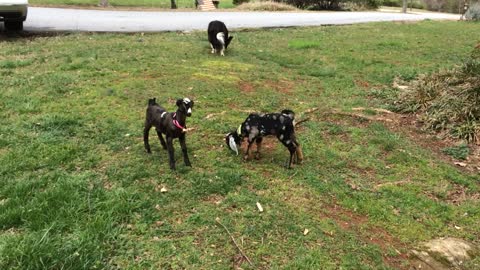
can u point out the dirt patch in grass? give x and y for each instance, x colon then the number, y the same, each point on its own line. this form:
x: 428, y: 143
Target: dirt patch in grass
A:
x: 281, y: 86
x: 246, y: 87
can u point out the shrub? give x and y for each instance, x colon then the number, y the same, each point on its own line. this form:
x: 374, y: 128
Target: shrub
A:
x: 239, y: 2
x: 451, y: 6
x: 473, y: 12
x: 333, y: 4
x: 447, y: 100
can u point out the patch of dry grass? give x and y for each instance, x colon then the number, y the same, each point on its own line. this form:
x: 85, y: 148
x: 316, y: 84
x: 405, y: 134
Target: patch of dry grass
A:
x: 266, y: 6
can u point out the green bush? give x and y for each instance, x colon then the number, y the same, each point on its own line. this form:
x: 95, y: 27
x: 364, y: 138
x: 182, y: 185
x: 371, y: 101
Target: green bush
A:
x: 239, y: 2
x: 451, y: 6
x: 334, y: 4
x: 473, y: 12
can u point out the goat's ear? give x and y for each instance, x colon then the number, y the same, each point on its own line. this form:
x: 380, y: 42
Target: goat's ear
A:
x: 228, y: 41
x: 179, y: 102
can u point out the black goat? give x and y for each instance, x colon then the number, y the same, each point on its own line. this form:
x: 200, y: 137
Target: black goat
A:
x: 170, y: 124
x: 256, y: 126
x: 218, y: 37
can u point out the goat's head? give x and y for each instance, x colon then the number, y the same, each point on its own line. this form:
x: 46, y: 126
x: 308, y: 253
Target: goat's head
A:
x: 185, y: 105
x: 152, y: 101
x: 233, y: 140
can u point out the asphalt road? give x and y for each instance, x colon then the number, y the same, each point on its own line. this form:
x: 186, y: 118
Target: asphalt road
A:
x: 56, y: 19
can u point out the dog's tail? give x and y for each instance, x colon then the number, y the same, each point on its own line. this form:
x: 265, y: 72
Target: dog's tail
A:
x: 288, y: 113
x: 152, y: 101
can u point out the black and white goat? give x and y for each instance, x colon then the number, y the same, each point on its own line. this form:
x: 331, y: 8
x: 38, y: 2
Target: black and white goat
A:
x: 218, y: 37
x: 256, y: 126
x: 173, y: 125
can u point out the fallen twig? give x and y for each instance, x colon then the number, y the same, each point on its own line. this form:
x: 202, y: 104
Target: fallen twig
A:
x: 235, y: 242
x: 372, y: 109
x: 301, y: 121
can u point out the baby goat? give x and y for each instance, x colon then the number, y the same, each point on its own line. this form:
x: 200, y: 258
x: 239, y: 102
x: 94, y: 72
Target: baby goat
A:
x: 170, y: 124
x: 218, y: 37
x: 256, y: 126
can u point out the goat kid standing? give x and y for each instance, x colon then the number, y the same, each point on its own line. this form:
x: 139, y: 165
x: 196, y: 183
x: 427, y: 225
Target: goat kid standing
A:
x: 218, y: 37
x: 173, y: 125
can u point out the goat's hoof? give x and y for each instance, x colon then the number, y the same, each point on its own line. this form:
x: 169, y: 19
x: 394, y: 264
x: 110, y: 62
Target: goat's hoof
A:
x: 257, y: 156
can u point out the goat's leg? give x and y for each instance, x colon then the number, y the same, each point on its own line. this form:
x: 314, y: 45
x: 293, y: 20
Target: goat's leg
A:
x: 184, y: 150
x: 298, y: 151
x: 171, y: 152
x: 259, y: 147
x: 146, y: 131
x: 292, y: 149
x: 247, y: 154
x: 162, y: 141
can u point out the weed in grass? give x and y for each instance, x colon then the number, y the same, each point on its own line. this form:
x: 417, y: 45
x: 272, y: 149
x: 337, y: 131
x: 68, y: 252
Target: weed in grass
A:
x: 458, y: 152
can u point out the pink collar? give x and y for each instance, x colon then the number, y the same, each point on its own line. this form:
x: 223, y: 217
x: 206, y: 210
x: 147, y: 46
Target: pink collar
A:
x: 176, y: 123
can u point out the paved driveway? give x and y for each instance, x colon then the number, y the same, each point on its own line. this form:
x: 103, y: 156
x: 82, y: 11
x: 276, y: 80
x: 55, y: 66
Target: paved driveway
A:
x: 55, y: 19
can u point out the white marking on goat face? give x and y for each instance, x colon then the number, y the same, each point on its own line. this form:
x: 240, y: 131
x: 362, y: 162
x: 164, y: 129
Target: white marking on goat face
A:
x: 232, y: 144
x: 221, y: 37
x: 189, y: 111
x: 186, y: 100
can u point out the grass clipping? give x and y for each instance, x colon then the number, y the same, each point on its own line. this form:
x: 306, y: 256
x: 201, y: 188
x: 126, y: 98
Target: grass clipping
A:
x: 447, y: 101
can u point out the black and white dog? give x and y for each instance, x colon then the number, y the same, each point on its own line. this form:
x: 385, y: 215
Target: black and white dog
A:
x: 218, y: 37
x: 256, y: 126
x: 170, y: 124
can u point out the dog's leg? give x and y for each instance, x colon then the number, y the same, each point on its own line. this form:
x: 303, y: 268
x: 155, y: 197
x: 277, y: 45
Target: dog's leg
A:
x: 171, y: 152
x: 259, y: 147
x: 184, y: 150
x: 162, y: 141
x: 146, y: 131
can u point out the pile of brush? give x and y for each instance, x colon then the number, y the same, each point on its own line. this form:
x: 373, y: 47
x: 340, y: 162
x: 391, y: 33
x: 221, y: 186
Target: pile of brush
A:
x: 447, y: 101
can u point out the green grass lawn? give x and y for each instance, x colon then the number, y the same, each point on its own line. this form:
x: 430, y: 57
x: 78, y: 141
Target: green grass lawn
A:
x: 78, y: 191
x: 126, y: 3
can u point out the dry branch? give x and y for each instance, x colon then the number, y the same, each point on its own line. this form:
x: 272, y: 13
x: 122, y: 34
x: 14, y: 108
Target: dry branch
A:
x: 235, y: 242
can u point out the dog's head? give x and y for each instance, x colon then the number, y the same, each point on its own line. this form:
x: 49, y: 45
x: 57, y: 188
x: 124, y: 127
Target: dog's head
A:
x: 185, y: 105
x: 152, y: 101
x: 234, y: 141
